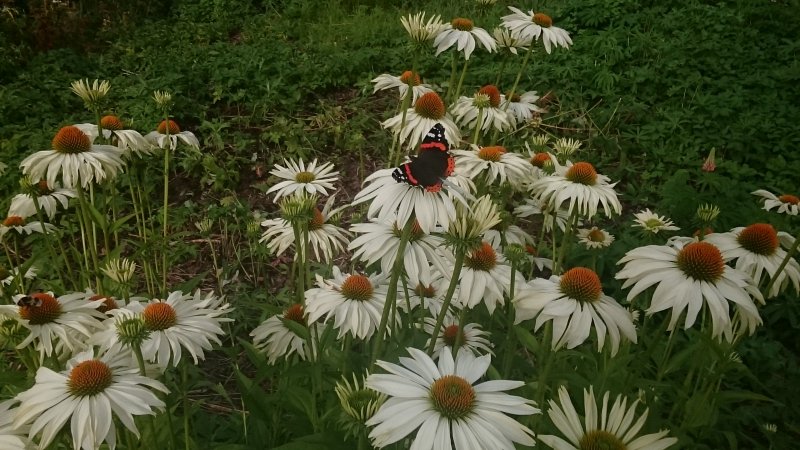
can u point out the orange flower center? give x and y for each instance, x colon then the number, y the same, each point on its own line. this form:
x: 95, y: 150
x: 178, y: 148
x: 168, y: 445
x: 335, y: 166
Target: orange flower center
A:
x: 582, y: 284
x: 357, y: 287
x: 425, y: 291
x: 759, y: 238
x: 543, y: 20
x: 416, y: 231
x: 14, y: 221
x: 159, y: 316
x: 89, y: 378
x: 111, y: 123
x: 45, y: 309
x: 295, y: 314
x: 484, y: 258
x: 317, y: 221
x: 515, y: 97
x: 108, y: 303
x: 601, y: 440
x: 430, y: 106
x: 582, y: 173
x: 701, y: 261
x: 44, y: 189
x: 540, y: 159
x: 452, y: 396
x: 168, y: 125
x: 491, y: 153
x: 451, y: 333
x: 71, y: 140
x: 462, y: 24
x: 411, y: 78
x: 493, y: 93
x: 788, y: 198
x: 531, y: 250
x: 597, y: 235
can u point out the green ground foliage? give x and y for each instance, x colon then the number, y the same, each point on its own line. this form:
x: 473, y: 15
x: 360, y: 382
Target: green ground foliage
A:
x: 651, y: 86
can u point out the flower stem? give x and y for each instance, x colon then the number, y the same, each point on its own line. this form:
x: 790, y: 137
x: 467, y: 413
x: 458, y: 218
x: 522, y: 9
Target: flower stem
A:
x: 478, y: 124
x: 50, y: 247
x: 391, y: 295
x: 558, y: 266
x: 461, y: 81
x: 451, y: 289
x: 785, y: 261
x: 164, y: 219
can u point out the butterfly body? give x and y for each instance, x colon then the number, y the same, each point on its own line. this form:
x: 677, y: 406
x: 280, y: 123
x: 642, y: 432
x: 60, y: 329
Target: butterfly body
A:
x: 29, y: 302
x: 431, y: 166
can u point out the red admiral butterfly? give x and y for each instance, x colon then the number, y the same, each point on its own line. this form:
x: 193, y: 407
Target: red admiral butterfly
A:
x: 431, y: 166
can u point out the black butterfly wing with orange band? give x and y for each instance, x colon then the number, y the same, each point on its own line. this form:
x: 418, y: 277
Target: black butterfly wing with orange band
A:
x: 433, y: 163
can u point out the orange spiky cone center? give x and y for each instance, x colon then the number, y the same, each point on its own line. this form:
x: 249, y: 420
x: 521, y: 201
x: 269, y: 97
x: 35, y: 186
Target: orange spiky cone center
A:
x: 451, y: 333
x: 493, y: 153
x: 493, y: 93
x: 14, y: 221
x: 462, y: 24
x: 543, y: 20
x: 483, y: 258
x: 317, y: 221
x: 159, y: 316
x: 108, y: 303
x: 582, y: 173
x: 701, y: 261
x: 430, y: 106
x: 425, y: 291
x: 170, y: 125
x: 452, y: 396
x: 111, y: 123
x: 540, y: 159
x: 71, y: 140
x: 295, y: 314
x: 788, y: 198
x: 597, y: 235
x: 357, y: 287
x: 582, y: 284
x: 759, y: 238
x: 411, y: 78
x: 47, y: 310
x: 89, y: 378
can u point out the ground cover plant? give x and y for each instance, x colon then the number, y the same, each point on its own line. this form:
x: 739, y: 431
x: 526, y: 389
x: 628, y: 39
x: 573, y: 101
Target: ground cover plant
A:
x: 425, y: 225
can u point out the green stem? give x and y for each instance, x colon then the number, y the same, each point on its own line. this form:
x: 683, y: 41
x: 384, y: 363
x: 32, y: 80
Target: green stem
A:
x: 92, y: 248
x: 566, y: 240
x: 391, y: 295
x: 186, y: 424
x: 478, y: 121
x: 452, y: 75
x: 49, y: 243
x: 785, y: 261
x: 510, y: 322
x: 164, y: 219
x: 459, y: 262
x: 461, y: 81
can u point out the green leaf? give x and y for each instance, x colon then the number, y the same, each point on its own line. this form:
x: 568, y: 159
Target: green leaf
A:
x: 297, y: 328
x: 319, y: 441
x: 527, y: 339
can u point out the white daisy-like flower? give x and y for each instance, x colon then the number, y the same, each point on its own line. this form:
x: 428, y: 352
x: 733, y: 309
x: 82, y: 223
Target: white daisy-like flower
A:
x: 323, y: 237
x: 181, y: 322
x: 428, y: 293
x: 520, y: 107
x: 464, y: 35
x: 75, y: 159
x: 756, y: 249
x: 594, y: 237
x: 534, y: 26
x: 533, y: 207
x: 543, y: 162
x: 22, y: 205
x: 420, y: 30
x: 10, y: 275
x: 393, y: 200
x: 299, y: 178
x: 354, y: 301
x: 785, y: 204
x: 493, y: 163
x: 576, y: 304
x: 512, y: 234
x: 277, y: 340
x: 379, y: 240
x: 471, y: 338
x: 168, y: 134
x: 402, y: 83
x: 485, y: 277
x: 92, y: 94
x: 121, y: 270
x: 602, y: 428
x: 56, y: 324
x: 428, y: 110
x: 580, y: 187
x: 505, y: 40
x: 444, y: 403
x: 688, y: 276
x: 91, y: 393
x: 129, y: 140
x: 652, y: 222
x: 23, y: 227
x: 12, y: 438
x: 484, y: 105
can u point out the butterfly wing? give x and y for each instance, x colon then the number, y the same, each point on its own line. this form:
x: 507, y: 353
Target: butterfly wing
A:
x: 433, y: 163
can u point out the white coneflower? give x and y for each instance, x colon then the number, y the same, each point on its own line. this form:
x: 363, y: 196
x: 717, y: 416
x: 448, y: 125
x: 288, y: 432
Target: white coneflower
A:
x: 92, y: 95
x: 687, y: 276
x: 120, y: 270
x: 23, y: 227
x: 443, y: 402
x: 493, y: 163
x: 471, y: 338
x: 576, y: 304
x: 428, y: 110
x: 484, y: 105
x: 12, y: 438
x: 594, y: 238
x: 785, y: 204
x: 505, y: 40
x: 581, y: 188
x: 49, y: 199
x: 602, y: 429
x: 299, y: 178
x: 420, y: 30
x: 277, y: 340
x: 129, y: 140
x: 652, y: 222
x: 520, y: 107
x: 355, y: 302
x: 485, y: 278
x: 402, y: 83
x: 534, y: 26
x: 91, y: 393
x: 464, y: 35
x: 168, y: 133
x: 75, y: 159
